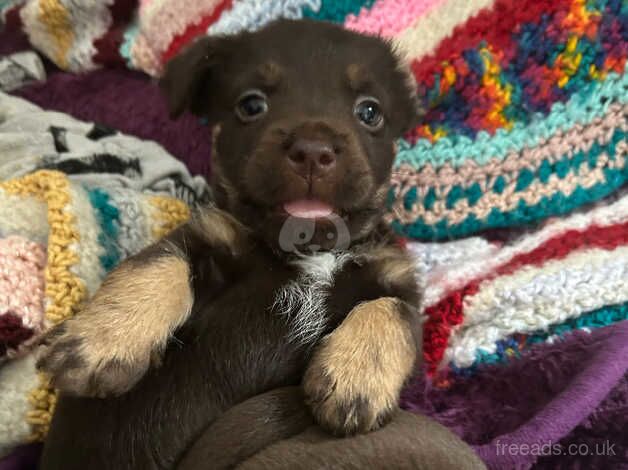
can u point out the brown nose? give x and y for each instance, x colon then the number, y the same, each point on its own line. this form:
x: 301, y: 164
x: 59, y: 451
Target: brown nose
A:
x: 311, y: 158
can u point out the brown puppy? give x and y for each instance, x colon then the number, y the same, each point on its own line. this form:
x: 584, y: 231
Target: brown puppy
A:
x: 276, y: 430
x: 290, y: 278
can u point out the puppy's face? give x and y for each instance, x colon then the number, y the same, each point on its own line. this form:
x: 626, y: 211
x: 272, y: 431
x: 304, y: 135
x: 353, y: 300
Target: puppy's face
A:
x: 305, y: 117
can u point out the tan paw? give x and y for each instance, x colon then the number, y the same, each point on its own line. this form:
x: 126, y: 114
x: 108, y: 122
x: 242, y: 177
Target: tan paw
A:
x: 80, y: 363
x: 354, y: 379
x: 122, y: 331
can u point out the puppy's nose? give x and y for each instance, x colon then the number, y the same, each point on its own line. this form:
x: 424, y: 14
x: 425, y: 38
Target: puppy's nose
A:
x: 311, y: 158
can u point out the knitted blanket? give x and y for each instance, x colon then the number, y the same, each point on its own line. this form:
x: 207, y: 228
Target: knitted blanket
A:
x: 62, y: 231
x: 511, y: 187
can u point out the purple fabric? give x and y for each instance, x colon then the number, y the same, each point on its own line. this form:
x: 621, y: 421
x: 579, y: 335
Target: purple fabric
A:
x: 23, y: 458
x: 573, y: 391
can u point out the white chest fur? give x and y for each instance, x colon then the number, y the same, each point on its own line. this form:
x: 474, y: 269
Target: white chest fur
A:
x: 304, y: 301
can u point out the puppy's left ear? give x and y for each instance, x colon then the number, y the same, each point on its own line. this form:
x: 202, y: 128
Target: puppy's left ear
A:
x: 189, y: 76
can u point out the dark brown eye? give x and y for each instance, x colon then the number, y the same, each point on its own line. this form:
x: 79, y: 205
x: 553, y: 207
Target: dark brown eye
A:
x: 251, y: 105
x: 369, y: 113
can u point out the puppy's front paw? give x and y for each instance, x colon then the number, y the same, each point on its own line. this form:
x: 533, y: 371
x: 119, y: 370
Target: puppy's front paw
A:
x: 353, y: 381
x: 108, y: 347
x: 341, y: 407
x: 82, y: 363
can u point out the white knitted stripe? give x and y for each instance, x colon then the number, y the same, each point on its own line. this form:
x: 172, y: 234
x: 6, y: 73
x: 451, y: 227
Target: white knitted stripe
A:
x: 435, y: 259
x: 149, y: 8
x: 440, y: 284
x: 152, y: 215
x: 251, y: 15
x: 133, y: 231
x: 91, y: 19
x: 17, y: 378
x: 23, y: 216
x: 429, y: 30
x: 535, y: 298
x: 87, y: 247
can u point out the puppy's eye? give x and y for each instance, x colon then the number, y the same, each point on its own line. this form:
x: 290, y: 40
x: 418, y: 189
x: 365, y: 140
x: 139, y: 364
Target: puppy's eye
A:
x: 251, y: 105
x: 369, y: 113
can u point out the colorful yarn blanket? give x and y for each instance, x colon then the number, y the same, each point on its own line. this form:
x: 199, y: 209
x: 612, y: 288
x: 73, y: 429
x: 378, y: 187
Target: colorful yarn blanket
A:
x: 61, y: 232
x: 512, y: 187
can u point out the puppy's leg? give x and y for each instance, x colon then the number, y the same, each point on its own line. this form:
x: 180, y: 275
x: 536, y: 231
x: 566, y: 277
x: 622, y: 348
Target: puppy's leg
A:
x: 356, y: 374
x: 125, y: 327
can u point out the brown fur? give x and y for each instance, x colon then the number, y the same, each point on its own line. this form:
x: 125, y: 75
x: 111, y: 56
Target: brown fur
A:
x: 356, y: 76
x: 354, y: 384
x: 221, y: 230
x: 275, y: 430
x: 393, y: 264
x: 270, y: 73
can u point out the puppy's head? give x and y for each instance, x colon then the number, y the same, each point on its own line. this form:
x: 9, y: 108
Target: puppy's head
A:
x: 305, y: 117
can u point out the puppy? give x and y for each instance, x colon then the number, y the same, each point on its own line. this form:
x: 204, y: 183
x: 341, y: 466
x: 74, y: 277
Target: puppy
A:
x: 291, y: 278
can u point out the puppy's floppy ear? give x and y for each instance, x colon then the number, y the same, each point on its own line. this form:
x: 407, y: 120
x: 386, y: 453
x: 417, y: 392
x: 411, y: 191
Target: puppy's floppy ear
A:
x: 189, y: 75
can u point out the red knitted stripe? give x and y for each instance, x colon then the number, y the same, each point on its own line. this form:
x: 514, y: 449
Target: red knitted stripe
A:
x: 12, y: 332
x: 494, y: 25
x: 194, y: 30
x: 12, y: 18
x: 450, y: 311
x: 108, y: 47
x: 122, y: 10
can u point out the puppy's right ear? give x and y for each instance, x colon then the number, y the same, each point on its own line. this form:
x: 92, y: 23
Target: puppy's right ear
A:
x: 189, y: 75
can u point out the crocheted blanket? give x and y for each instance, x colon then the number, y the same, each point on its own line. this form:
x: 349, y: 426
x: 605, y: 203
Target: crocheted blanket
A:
x: 75, y: 199
x: 522, y: 151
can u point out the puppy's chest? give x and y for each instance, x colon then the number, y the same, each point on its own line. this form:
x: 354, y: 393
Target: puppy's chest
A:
x: 304, y: 301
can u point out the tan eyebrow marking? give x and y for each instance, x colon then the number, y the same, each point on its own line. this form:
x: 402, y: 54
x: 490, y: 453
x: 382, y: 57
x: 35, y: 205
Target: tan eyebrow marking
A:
x: 270, y: 72
x: 357, y: 76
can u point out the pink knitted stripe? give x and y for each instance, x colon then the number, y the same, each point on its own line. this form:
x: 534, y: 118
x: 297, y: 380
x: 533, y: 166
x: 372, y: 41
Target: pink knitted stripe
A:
x: 169, y: 20
x: 389, y: 17
x: 22, y: 264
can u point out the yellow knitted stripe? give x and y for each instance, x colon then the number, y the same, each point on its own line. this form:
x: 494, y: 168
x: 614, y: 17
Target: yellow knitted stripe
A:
x: 64, y: 291
x: 169, y: 215
x: 58, y: 22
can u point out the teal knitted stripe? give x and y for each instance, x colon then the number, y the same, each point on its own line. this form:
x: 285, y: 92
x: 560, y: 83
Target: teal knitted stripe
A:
x: 337, y: 10
x: 130, y: 35
x: 592, y: 102
x: 575, y: 164
x: 109, y: 218
x: 556, y: 204
x: 7, y: 4
x: 604, y: 316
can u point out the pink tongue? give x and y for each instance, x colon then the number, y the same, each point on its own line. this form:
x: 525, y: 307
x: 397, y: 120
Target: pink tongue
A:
x: 307, y: 209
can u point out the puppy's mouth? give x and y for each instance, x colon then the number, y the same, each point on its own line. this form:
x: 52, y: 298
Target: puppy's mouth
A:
x: 307, y: 208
